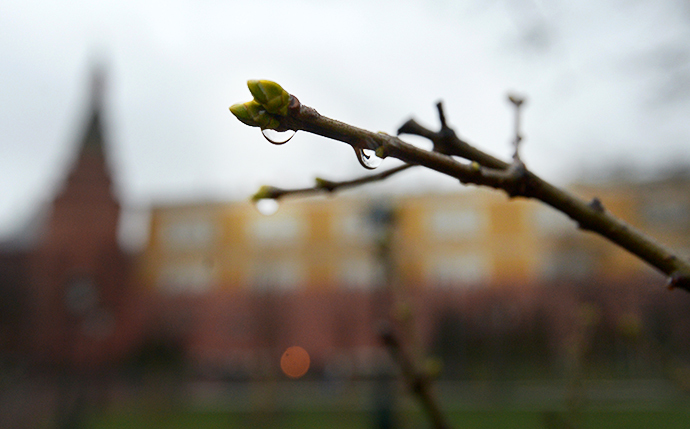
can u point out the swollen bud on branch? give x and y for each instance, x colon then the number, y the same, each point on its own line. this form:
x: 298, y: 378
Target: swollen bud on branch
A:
x: 266, y: 193
x: 270, y: 95
x: 254, y: 115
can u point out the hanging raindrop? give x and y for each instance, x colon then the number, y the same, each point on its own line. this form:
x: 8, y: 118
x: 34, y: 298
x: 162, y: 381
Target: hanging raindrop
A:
x: 277, y: 137
x: 267, y: 206
x: 368, y: 158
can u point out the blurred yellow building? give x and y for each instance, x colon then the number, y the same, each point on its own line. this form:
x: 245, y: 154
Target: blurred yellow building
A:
x: 472, y: 238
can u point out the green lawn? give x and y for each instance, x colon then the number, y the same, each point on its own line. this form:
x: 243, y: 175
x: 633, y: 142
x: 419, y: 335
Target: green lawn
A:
x: 668, y: 419
x: 214, y: 420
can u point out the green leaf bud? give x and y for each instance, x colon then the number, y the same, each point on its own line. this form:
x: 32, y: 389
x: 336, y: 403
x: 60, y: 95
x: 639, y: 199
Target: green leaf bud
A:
x: 325, y: 184
x: 266, y: 192
x: 254, y: 115
x: 381, y: 152
x: 270, y: 95
x: 240, y: 111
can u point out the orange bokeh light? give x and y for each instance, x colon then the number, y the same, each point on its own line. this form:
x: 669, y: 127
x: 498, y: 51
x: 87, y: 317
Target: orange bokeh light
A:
x: 295, y: 362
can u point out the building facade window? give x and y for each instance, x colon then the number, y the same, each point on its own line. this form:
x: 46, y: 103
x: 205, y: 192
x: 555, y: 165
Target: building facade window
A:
x: 450, y: 224
x: 549, y: 222
x: 361, y: 273
x: 193, y: 277
x: 188, y: 234
x: 354, y: 227
x: 464, y: 269
x: 276, y: 230
x: 568, y: 264
x: 277, y: 274
x: 667, y: 213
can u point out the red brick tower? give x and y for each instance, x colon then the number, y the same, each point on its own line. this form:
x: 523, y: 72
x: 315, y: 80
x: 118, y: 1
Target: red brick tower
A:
x: 83, y: 300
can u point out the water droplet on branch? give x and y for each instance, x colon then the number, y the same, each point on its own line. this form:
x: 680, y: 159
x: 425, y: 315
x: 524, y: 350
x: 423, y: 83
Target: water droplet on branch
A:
x: 368, y: 158
x: 267, y: 206
x: 277, y: 137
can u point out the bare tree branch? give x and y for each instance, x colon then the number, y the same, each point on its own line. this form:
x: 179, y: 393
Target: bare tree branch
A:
x: 447, y: 142
x: 486, y: 170
x: 326, y: 186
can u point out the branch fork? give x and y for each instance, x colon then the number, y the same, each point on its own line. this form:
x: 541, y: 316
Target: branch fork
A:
x: 482, y: 170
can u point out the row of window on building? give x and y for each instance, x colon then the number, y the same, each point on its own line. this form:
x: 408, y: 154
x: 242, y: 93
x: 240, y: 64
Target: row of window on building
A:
x: 451, y: 242
x: 199, y: 228
x: 468, y: 239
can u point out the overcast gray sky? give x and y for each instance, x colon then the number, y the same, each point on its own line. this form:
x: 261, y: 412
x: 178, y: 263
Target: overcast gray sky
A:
x: 607, y: 82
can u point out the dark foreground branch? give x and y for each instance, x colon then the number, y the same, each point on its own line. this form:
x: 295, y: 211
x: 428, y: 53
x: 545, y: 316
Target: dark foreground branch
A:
x: 418, y: 382
x: 484, y: 170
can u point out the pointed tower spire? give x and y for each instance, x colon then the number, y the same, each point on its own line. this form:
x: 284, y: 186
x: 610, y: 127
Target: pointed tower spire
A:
x: 91, y: 167
x: 93, y: 139
x: 88, y: 187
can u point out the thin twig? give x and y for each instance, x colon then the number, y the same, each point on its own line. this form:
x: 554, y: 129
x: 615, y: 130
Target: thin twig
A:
x: 489, y: 171
x: 325, y: 186
x: 517, y: 102
x: 447, y: 139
